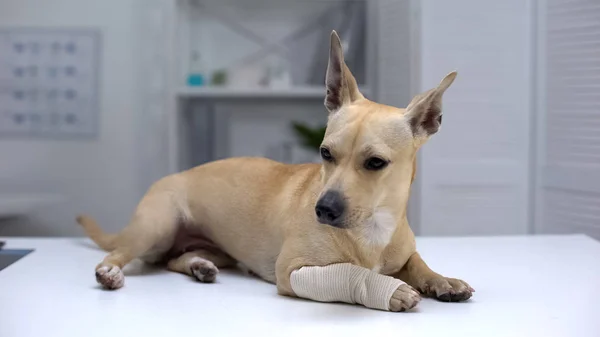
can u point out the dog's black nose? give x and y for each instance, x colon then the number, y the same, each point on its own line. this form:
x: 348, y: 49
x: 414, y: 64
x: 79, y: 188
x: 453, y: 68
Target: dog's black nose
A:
x: 330, y: 208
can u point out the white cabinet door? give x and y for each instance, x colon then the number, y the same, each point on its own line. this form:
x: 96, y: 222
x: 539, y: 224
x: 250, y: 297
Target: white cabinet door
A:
x: 475, y: 171
x: 569, y: 161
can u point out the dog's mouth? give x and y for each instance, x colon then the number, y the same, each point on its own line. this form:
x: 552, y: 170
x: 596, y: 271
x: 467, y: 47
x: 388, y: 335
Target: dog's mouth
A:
x: 338, y: 223
x: 349, y: 219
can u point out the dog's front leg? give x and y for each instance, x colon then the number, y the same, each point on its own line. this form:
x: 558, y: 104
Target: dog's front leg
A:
x: 416, y: 273
x: 344, y: 282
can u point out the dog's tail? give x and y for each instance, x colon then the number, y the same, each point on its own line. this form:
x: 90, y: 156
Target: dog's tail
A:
x: 104, y: 240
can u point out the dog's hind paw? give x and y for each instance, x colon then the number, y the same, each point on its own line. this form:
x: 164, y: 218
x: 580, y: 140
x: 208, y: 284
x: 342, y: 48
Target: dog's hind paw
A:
x: 110, y: 277
x: 204, y: 270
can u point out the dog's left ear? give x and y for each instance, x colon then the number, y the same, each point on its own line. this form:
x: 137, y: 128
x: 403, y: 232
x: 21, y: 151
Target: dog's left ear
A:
x: 341, y: 85
x: 424, y: 113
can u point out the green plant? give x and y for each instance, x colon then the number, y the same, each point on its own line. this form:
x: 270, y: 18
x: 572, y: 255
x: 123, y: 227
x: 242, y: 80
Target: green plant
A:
x: 309, y: 137
x: 219, y: 78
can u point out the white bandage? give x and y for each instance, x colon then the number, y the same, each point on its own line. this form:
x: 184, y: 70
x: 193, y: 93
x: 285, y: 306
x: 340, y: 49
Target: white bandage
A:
x: 344, y: 282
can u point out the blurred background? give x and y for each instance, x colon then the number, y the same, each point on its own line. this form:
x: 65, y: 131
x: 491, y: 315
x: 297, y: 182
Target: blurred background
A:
x: 98, y: 99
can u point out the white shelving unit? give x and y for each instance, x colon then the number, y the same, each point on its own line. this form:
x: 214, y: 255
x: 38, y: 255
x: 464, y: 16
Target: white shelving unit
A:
x: 251, y: 93
x: 245, y: 38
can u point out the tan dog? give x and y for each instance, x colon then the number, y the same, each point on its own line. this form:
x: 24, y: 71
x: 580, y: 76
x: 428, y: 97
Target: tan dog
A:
x: 275, y: 218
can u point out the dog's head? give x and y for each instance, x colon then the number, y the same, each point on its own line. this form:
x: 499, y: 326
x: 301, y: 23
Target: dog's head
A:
x: 369, y: 151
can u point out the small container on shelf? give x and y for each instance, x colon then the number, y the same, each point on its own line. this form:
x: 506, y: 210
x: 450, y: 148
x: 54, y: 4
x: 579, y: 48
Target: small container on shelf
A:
x: 196, y: 76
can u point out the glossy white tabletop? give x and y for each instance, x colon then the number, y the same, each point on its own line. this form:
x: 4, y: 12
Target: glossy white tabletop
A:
x: 525, y: 286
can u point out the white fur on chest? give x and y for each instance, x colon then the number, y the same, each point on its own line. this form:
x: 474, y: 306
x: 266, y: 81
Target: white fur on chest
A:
x: 379, y: 228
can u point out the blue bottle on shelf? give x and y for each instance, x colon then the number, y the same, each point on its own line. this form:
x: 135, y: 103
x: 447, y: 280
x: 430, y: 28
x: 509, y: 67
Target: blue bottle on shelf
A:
x: 195, y: 80
x: 196, y: 77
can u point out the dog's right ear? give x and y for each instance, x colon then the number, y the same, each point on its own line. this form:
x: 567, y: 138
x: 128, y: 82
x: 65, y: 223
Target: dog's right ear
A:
x: 339, y: 81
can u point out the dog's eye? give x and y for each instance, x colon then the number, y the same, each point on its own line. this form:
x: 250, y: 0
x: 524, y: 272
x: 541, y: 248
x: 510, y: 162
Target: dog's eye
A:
x: 375, y: 164
x: 326, y: 155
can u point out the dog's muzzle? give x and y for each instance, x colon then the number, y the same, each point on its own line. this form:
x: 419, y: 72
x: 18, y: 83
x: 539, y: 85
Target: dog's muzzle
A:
x: 330, y: 208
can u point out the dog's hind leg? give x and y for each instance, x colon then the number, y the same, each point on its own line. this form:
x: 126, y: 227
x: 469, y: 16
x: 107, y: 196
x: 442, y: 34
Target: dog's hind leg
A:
x: 151, y: 231
x: 201, y: 264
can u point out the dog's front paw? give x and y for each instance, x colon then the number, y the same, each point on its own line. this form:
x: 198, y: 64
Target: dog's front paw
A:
x: 404, y: 298
x: 447, y: 289
x: 204, y: 270
x: 110, y: 277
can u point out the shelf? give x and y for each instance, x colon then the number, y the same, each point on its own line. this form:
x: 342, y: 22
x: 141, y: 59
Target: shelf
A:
x: 18, y: 205
x: 263, y: 93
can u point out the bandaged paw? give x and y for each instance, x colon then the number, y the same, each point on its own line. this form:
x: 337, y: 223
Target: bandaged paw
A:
x: 345, y: 282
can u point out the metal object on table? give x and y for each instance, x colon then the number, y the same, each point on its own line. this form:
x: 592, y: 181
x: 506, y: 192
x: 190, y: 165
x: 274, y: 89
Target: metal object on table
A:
x: 10, y: 256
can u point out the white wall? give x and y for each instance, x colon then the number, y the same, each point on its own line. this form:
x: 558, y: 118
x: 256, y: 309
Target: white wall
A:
x: 98, y: 176
x: 474, y: 174
x: 475, y: 171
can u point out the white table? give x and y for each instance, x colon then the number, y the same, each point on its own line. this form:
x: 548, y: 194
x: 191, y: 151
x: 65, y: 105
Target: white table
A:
x: 526, y: 286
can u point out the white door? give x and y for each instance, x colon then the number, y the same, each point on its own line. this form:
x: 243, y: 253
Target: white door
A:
x: 475, y: 171
x: 568, y: 194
